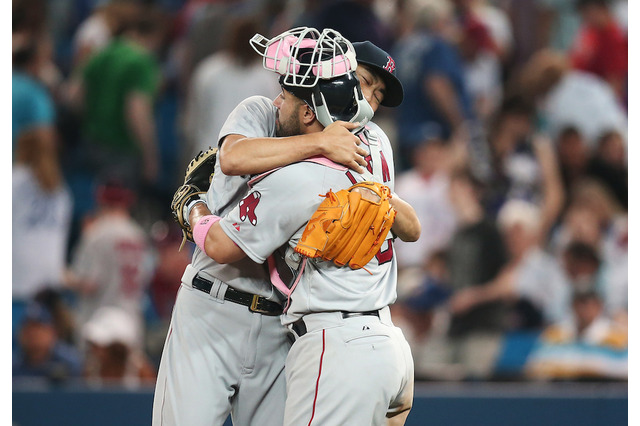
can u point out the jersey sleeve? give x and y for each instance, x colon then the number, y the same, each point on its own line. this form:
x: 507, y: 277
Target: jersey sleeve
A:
x: 275, y: 210
x: 254, y: 117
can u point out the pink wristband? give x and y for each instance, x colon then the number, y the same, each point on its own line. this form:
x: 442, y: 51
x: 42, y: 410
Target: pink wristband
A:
x: 201, y: 229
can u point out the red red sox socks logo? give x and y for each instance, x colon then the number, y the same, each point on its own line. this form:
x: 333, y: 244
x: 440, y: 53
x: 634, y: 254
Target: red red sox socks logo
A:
x: 391, y: 65
x: 248, y: 207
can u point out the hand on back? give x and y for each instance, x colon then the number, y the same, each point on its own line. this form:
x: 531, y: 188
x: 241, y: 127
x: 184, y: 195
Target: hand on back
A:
x: 342, y: 146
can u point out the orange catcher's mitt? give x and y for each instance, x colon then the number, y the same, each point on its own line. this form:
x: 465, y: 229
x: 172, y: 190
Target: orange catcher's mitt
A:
x: 349, y: 226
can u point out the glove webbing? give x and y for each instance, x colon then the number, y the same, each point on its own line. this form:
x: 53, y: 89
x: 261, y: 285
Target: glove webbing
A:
x: 349, y: 222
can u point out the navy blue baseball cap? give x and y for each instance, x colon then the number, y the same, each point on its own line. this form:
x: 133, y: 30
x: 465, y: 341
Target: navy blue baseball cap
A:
x: 383, y: 64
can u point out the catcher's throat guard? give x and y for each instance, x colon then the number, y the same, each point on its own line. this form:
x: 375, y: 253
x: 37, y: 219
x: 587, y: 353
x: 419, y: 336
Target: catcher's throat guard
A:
x: 349, y: 226
x: 341, y: 99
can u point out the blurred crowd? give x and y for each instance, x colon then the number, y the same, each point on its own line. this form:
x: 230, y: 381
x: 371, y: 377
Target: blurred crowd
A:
x: 511, y: 144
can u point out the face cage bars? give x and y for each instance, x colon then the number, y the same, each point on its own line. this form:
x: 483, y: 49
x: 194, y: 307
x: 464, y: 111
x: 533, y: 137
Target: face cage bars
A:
x: 331, y: 55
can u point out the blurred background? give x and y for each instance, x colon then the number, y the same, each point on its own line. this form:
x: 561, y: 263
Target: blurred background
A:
x: 511, y: 144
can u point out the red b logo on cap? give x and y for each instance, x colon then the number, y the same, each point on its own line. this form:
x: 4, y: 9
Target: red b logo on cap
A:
x: 391, y: 65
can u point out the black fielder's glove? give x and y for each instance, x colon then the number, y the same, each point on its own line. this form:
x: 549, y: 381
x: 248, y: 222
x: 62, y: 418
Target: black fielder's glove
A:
x: 197, y: 180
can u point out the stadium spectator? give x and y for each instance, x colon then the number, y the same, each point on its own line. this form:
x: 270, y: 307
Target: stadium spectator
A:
x: 588, y: 345
x: 533, y: 281
x: 58, y: 302
x: 567, y: 97
x: 111, y: 265
x: 113, y: 354
x: 426, y: 187
x: 573, y: 157
x: 608, y: 164
x: 220, y: 82
x: 495, y: 19
x: 41, y: 353
x: 594, y: 219
x: 524, y: 164
x: 32, y: 107
x: 437, y: 102
x: 40, y: 218
x: 475, y: 257
x: 601, y: 46
x: 94, y: 33
x: 483, y: 74
x: 116, y: 92
x: 199, y: 31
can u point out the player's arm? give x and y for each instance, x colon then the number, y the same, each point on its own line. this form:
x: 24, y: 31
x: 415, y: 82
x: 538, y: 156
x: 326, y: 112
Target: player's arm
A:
x: 406, y: 225
x: 217, y: 245
x: 240, y: 155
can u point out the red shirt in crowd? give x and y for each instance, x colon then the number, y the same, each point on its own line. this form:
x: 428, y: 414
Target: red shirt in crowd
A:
x: 602, y: 51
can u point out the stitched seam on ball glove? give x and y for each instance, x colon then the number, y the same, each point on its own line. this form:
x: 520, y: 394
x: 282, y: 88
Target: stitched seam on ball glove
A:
x: 348, y: 228
x: 197, y: 180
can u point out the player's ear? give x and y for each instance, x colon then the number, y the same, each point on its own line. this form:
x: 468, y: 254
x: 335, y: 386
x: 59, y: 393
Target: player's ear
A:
x: 307, y: 114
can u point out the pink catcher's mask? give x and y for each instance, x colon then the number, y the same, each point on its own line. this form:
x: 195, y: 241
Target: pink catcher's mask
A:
x: 304, y: 55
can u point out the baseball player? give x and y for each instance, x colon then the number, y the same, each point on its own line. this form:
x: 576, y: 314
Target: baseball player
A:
x: 111, y: 265
x: 223, y: 357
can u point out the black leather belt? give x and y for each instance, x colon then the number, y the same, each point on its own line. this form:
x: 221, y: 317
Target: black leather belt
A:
x: 254, y: 302
x: 300, y: 328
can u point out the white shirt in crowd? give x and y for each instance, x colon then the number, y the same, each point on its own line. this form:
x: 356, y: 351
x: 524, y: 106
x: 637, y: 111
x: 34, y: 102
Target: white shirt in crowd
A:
x: 218, y: 85
x: 40, y: 227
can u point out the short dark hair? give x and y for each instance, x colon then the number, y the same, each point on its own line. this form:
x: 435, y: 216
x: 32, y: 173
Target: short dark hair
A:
x: 580, y: 251
x: 465, y: 174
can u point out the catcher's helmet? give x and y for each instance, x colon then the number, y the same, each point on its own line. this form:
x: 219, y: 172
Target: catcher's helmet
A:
x: 317, y: 67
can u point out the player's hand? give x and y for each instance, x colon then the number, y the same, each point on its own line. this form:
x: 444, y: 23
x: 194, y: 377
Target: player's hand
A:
x: 342, y: 146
